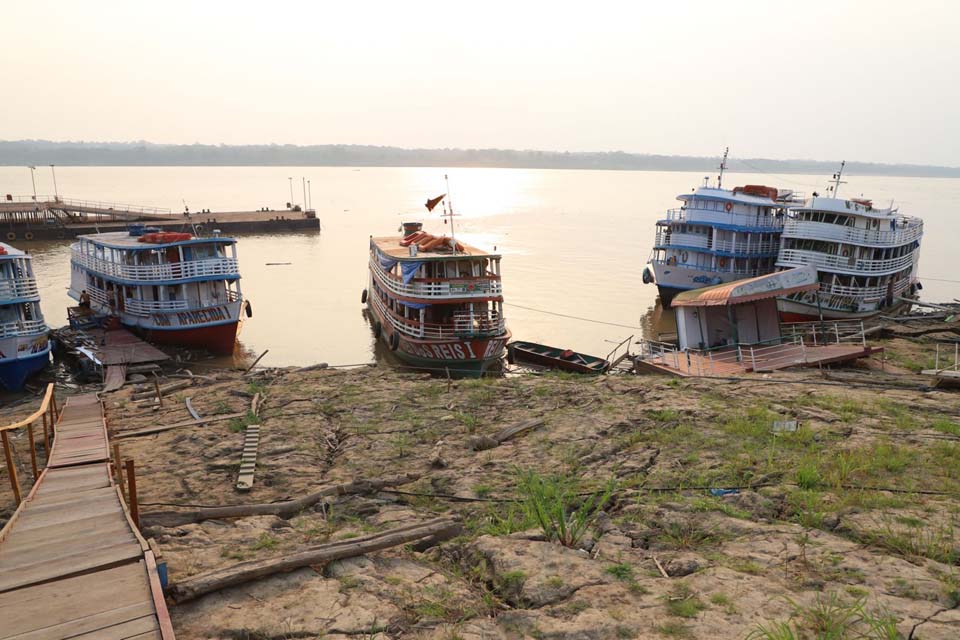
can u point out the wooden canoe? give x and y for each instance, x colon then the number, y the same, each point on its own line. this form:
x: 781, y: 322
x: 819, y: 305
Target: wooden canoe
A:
x: 555, y: 358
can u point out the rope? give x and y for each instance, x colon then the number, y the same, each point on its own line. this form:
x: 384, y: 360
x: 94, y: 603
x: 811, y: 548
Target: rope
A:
x: 564, y: 315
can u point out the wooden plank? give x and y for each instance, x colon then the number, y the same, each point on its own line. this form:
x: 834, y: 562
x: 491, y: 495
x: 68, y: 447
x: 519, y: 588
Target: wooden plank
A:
x: 190, y: 423
x: 68, y: 565
x: 99, y: 625
x: 248, y: 459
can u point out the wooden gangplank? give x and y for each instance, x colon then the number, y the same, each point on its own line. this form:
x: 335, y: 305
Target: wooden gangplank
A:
x: 72, y: 565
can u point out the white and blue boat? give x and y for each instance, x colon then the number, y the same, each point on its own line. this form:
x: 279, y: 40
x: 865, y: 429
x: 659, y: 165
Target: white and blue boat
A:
x: 24, y: 341
x: 718, y: 235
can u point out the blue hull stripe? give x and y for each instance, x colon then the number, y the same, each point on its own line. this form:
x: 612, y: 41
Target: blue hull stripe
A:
x: 14, y: 373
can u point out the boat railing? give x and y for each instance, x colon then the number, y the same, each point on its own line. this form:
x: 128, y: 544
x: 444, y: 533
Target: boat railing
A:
x: 809, y: 229
x: 136, y: 307
x: 474, y: 287
x: 226, y: 267
x: 708, y: 268
x: 688, y: 214
x: 18, y: 288
x: 791, y: 257
x: 819, y: 333
x: 866, y: 293
x: 943, y: 359
x: 480, y: 326
x: 24, y: 328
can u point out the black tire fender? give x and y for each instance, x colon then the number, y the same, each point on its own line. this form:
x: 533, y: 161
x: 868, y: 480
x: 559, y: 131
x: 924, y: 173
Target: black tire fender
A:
x: 394, y: 341
x: 363, y: 297
x: 377, y: 329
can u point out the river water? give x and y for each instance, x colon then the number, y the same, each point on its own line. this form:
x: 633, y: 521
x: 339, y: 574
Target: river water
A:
x: 574, y: 242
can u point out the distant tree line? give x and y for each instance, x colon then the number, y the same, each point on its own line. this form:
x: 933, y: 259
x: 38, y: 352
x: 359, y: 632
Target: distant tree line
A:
x: 41, y: 152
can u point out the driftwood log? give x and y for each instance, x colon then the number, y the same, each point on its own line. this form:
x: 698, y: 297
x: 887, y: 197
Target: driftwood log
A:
x: 284, y: 509
x: 152, y: 393
x: 245, y: 572
x: 481, y: 443
x: 189, y: 423
x: 193, y: 412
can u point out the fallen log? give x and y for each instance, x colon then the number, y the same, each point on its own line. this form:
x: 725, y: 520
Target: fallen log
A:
x: 481, y: 443
x: 191, y: 410
x: 284, y: 509
x: 244, y: 572
x: 189, y: 423
x: 176, y: 386
x: 255, y: 405
x: 313, y: 367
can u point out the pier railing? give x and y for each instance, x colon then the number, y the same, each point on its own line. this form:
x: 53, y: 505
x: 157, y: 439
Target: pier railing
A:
x: 49, y: 413
x: 25, y: 328
x: 226, y: 267
x: 99, y: 207
x: 454, y: 288
x: 18, y: 288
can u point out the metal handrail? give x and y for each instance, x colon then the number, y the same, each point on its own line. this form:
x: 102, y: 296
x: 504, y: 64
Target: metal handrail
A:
x: 22, y: 328
x: 226, y: 267
x: 18, y: 288
x: 687, y: 214
x: 808, y: 229
x: 495, y: 326
x: 481, y: 287
x: 50, y: 413
x: 793, y: 257
x: 137, y: 307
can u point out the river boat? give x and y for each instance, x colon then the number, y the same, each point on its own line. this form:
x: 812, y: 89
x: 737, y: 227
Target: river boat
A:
x: 867, y: 257
x: 436, y: 302
x: 24, y: 342
x: 555, y: 358
x: 717, y: 236
x: 171, y: 288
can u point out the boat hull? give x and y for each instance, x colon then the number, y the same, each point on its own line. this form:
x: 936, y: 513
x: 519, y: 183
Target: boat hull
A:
x: 219, y: 339
x: 522, y: 353
x: 14, y: 372
x: 460, y: 357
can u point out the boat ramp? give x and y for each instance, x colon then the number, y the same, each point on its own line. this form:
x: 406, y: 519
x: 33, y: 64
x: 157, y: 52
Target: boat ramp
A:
x: 72, y: 561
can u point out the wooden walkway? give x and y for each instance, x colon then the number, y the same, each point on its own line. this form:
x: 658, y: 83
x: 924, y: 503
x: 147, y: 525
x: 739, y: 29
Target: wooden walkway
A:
x: 72, y: 565
x: 724, y: 363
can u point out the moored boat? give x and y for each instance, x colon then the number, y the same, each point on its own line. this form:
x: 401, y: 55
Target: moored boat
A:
x: 866, y: 257
x: 718, y: 235
x: 437, y: 303
x: 555, y: 358
x: 171, y: 288
x: 24, y: 343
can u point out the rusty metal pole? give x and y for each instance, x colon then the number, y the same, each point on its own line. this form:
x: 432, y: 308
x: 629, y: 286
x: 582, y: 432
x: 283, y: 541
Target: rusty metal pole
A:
x: 33, y: 452
x: 132, y: 489
x: 11, y: 468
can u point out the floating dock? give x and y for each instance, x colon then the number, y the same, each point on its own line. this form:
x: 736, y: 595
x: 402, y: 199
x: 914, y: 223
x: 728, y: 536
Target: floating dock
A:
x: 58, y: 218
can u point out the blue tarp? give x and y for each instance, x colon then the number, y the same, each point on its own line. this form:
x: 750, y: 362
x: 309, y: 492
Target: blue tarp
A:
x: 409, y: 270
x: 387, y: 263
x: 416, y: 305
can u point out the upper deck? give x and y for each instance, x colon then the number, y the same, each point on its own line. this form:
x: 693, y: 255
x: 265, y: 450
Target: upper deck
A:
x: 123, y: 258
x: 733, y: 210
x: 17, y: 283
x: 390, y: 246
x: 851, y: 222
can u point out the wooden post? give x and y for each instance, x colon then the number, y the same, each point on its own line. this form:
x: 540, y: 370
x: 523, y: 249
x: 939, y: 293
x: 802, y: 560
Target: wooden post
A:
x: 46, y: 436
x: 11, y: 469
x: 117, y: 471
x: 156, y: 385
x: 132, y: 487
x: 33, y: 452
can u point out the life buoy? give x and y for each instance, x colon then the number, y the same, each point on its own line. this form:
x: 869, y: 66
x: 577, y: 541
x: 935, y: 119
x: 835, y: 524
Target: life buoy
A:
x: 394, y: 341
x: 363, y: 297
x: 683, y: 257
x: 728, y: 207
x: 377, y: 329
x: 28, y: 235
x: 723, y: 262
x: 11, y: 235
x: 199, y: 229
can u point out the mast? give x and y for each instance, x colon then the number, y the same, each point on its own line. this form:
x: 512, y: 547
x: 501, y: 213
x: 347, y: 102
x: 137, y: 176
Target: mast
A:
x: 453, y: 235
x: 836, y: 178
x: 723, y: 166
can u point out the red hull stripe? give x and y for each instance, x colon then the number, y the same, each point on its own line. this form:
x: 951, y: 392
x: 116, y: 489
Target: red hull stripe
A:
x: 219, y: 339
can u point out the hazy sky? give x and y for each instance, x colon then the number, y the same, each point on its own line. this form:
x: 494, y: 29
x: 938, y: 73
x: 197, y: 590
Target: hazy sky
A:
x: 873, y: 80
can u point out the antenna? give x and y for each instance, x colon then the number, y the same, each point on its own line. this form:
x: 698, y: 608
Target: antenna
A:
x: 450, y: 213
x: 836, y: 178
x: 723, y: 165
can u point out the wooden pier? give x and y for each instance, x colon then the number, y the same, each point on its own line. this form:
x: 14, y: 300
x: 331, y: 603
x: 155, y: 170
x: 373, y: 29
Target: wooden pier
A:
x: 72, y: 562
x: 55, y: 217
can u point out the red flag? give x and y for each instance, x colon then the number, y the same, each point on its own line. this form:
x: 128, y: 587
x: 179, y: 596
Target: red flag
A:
x: 432, y: 202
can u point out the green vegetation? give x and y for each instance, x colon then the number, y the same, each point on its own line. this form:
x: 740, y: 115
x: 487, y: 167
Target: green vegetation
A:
x: 239, y: 424
x: 553, y: 501
x: 682, y: 602
x: 830, y: 617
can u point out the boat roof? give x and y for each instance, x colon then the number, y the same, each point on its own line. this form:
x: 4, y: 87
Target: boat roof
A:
x: 12, y: 252
x: 123, y: 240
x: 726, y: 195
x: 772, y: 285
x: 390, y: 246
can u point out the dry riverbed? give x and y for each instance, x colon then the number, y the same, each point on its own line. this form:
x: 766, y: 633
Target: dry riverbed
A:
x: 851, y: 520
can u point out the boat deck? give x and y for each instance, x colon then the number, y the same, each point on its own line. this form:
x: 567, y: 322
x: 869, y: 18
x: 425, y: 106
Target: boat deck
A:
x: 72, y: 565
x: 390, y: 245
